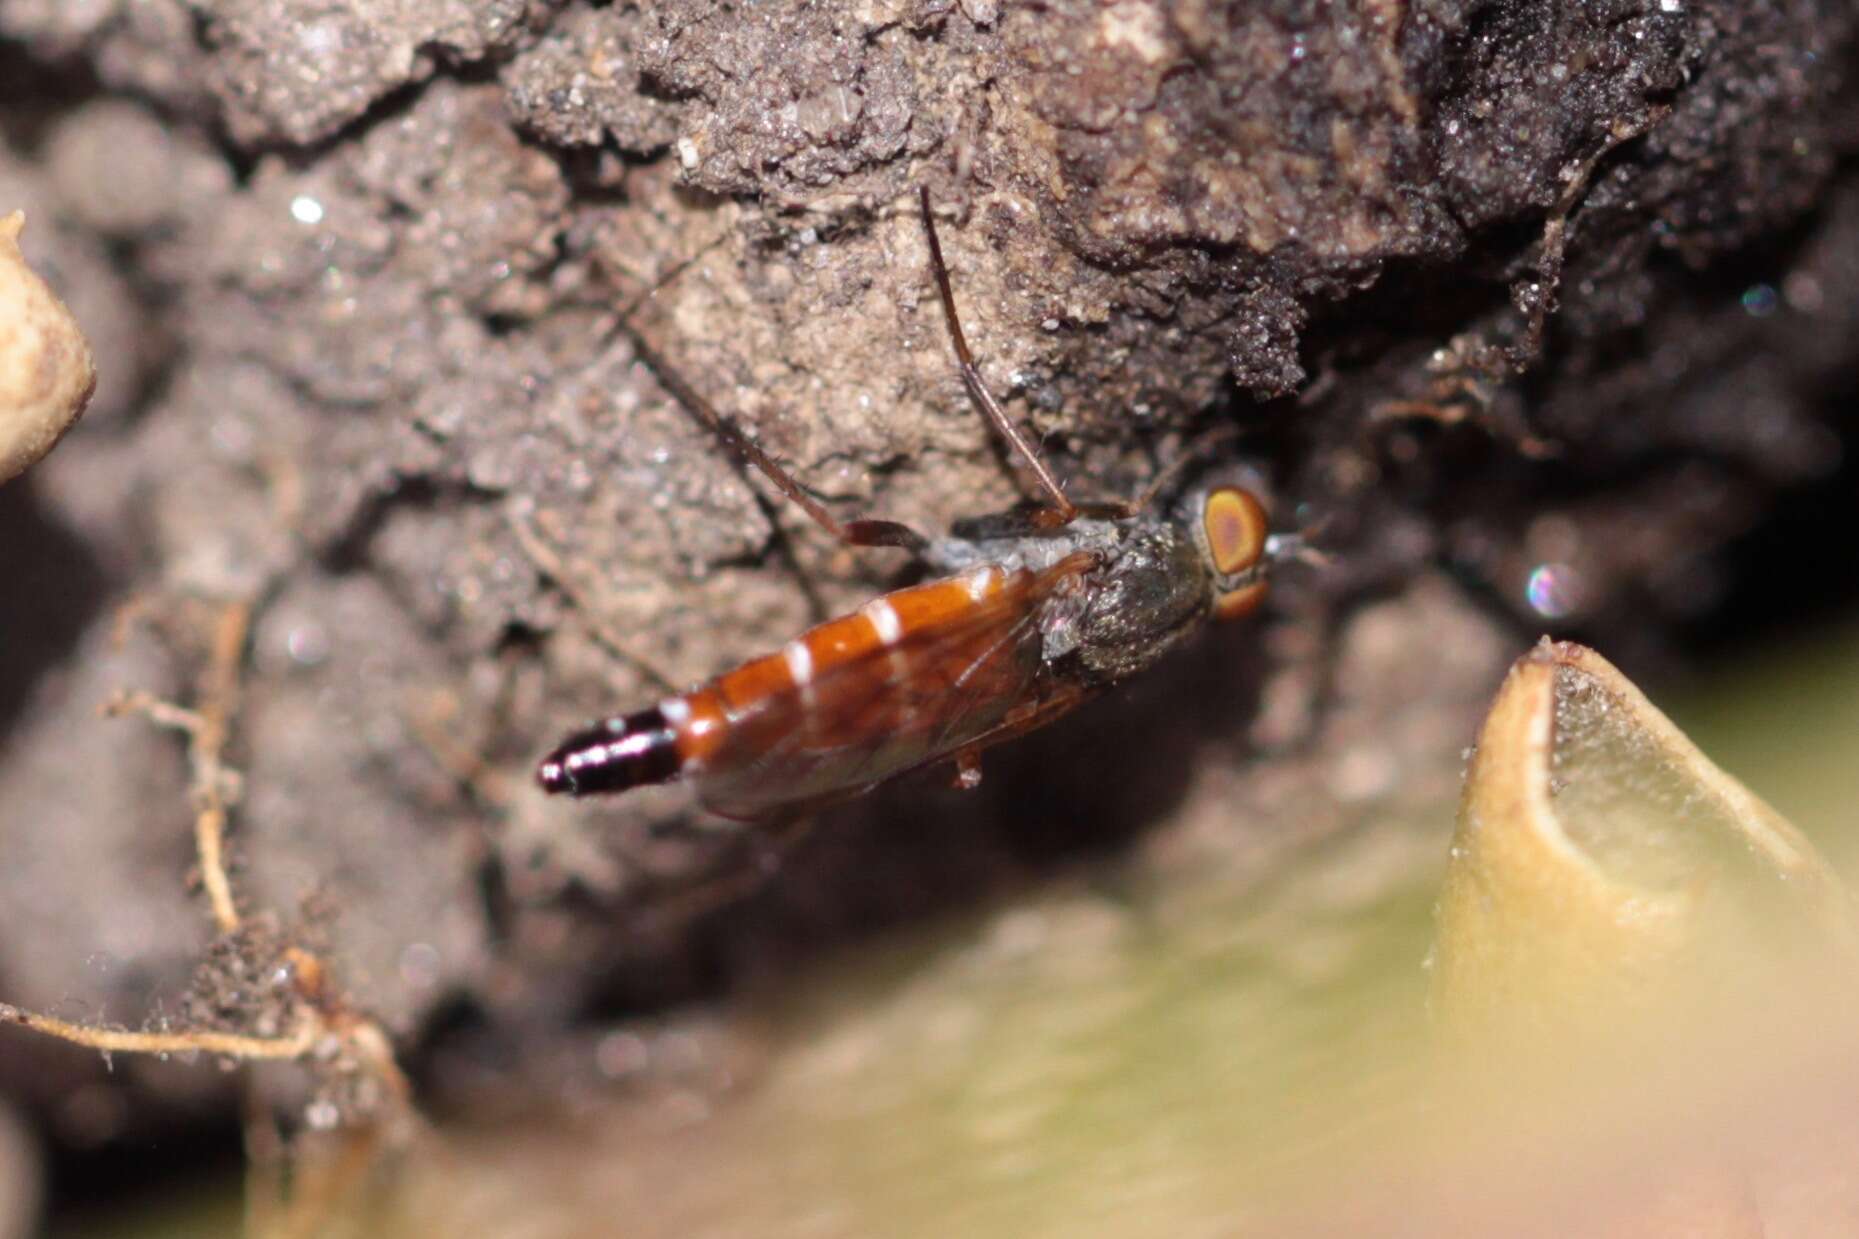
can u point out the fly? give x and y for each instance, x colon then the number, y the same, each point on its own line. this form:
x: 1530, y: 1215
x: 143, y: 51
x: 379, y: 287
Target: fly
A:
x: 1035, y: 612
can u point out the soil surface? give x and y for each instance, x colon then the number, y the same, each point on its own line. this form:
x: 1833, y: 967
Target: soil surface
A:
x: 1536, y: 312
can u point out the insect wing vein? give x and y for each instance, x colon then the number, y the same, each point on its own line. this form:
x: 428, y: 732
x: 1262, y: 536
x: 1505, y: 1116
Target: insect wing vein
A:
x: 896, y: 706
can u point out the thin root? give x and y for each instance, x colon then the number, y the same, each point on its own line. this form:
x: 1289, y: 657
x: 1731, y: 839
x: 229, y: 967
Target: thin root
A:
x: 323, y: 1027
x: 295, y: 1044
x: 547, y: 562
x: 206, y: 728
x: 431, y: 719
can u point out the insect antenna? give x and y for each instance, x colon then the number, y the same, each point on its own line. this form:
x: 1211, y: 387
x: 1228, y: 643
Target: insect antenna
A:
x: 1165, y: 477
x: 665, y: 280
x: 1301, y: 546
x: 1063, y: 511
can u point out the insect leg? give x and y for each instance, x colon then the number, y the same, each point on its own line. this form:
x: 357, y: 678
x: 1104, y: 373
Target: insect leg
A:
x: 1062, y: 701
x: 853, y: 533
x: 1062, y: 511
x: 1166, y: 477
x: 749, y: 867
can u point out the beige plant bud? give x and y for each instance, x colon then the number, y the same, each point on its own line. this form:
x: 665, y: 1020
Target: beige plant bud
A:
x: 46, y: 372
x: 1643, y: 978
x: 1601, y: 859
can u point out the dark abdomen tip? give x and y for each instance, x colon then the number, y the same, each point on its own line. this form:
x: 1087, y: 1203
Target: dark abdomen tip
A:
x: 613, y: 755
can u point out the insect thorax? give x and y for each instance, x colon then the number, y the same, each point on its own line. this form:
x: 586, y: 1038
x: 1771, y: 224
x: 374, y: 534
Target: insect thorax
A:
x: 1151, y: 588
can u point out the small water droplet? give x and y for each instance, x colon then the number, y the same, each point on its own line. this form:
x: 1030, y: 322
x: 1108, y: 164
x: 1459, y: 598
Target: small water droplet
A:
x: 308, y: 644
x: 306, y: 210
x: 1553, y: 590
x: 1759, y: 300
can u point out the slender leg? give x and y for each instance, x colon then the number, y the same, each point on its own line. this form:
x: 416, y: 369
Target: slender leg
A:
x: 1062, y: 511
x: 1169, y: 474
x: 751, y: 866
x: 1060, y: 702
x: 853, y: 533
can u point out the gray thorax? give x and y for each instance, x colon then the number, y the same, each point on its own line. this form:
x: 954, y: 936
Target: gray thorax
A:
x: 1150, y: 588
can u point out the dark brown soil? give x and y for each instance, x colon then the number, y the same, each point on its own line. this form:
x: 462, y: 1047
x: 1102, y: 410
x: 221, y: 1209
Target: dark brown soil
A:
x: 1488, y: 286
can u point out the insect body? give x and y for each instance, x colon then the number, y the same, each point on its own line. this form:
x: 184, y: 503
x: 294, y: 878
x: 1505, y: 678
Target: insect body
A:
x: 1039, y: 611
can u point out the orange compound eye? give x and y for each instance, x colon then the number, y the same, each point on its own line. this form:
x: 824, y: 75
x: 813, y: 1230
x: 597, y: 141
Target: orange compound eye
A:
x: 1240, y: 602
x: 1236, y: 528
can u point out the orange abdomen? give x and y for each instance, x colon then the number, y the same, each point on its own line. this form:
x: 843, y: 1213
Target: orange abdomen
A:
x: 847, y: 703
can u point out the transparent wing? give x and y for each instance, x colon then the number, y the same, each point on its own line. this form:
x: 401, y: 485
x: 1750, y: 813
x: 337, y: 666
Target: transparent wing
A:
x: 921, y: 698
